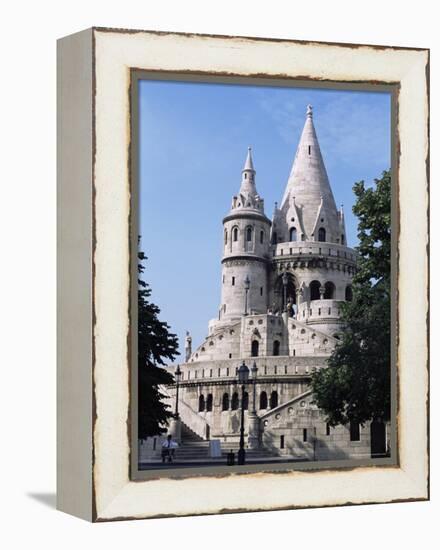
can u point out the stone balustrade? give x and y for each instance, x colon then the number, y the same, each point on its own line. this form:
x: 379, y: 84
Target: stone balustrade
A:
x: 325, y: 251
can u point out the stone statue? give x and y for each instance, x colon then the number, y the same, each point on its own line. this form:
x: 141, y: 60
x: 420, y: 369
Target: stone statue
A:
x: 188, y: 346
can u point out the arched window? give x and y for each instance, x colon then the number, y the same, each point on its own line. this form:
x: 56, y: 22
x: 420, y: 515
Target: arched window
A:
x: 248, y: 234
x: 292, y: 234
x: 235, y: 234
x: 201, y: 403
x: 234, y: 401
x: 314, y: 290
x: 329, y: 292
x: 226, y: 236
x: 303, y: 238
x: 209, y: 402
x: 348, y: 293
x: 342, y: 239
x: 273, y: 399
x: 263, y: 400
x: 321, y: 235
x: 225, y: 402
x: 261, y: 237
x: 254, y: 348
x: 274, y: 237
x: 246, y: 401
x: 276, y: 347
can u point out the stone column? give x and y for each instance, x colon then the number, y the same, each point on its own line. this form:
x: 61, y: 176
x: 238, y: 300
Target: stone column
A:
x: 253, y: 430
x: 175, y: 429
x: 298, y: 298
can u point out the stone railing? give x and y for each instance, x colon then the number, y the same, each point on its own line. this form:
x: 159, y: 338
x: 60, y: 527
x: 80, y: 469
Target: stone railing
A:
x: 330, y: 251
x: 225, y: 370
x: 318, y: 309
x: 190, y: 417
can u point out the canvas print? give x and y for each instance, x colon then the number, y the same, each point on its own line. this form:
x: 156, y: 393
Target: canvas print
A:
x: 264, y: 275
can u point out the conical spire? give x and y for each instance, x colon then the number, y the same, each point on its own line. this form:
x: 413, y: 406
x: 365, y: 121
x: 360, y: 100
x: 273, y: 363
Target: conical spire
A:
x: 249, y: 165
x: 247, y: 187
x: 308, y: 183
x: 248, y: 197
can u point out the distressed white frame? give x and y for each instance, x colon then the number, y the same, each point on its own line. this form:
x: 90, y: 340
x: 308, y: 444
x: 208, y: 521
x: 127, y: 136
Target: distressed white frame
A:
x: 114, y: 494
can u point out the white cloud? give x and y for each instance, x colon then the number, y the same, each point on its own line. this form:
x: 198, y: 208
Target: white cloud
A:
x: 352, y: 129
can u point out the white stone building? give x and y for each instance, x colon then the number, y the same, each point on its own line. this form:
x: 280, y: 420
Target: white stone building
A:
x: 283, y: 281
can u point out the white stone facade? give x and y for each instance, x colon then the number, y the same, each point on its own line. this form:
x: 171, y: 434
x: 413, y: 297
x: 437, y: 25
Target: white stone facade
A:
x: 283, y: 281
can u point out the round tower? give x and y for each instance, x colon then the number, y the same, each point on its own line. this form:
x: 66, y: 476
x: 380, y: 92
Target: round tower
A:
x: 246, y: 243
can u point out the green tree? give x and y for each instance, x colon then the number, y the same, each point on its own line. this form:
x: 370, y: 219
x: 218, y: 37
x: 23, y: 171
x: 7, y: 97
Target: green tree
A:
x: 155, y: 344
x: 356, y: 385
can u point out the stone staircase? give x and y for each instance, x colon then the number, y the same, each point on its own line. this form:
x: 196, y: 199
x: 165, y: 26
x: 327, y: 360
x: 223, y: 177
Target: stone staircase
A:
x: 256, y: 454
x: 193, y: 448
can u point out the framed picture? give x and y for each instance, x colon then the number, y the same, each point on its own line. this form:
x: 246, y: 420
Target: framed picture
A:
x: 243, y: 274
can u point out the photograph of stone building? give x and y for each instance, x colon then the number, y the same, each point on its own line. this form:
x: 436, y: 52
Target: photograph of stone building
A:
x: 243, y: 393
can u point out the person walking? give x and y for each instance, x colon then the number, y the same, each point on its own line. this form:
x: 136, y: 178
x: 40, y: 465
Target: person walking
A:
x: 169, y: 448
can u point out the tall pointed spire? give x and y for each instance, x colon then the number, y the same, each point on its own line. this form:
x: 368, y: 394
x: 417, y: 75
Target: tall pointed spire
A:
x: 249, y: 165
x: 308, y: 183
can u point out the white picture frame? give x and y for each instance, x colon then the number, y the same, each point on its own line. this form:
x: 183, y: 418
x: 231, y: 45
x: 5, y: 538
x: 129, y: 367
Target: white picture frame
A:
x: 94, y: 198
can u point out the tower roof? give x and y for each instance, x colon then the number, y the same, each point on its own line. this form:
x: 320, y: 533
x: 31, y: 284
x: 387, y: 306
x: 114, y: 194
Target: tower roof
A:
x: 249, y: 165
x: 308, y: 185
x: 248, y: 197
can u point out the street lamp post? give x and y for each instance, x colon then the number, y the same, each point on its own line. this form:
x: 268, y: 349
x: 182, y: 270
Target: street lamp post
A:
x: 243, y: 377
x: 247, y: 285
x: 177, y: 375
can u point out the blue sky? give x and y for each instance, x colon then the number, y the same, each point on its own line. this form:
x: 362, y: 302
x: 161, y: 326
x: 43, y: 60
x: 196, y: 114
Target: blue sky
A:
x: 193, y: 143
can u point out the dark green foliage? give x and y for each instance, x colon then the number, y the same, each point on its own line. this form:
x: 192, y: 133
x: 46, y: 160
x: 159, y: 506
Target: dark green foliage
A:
x: 155, y: 344
x: 356, y: 384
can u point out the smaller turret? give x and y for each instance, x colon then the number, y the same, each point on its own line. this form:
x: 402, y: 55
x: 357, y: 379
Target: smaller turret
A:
x: 246, y: 234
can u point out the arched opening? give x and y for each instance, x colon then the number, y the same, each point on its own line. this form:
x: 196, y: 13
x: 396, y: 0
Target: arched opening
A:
x: 342, y: 239
x: 254, y: 348
x: 263, y: 400
x: 248, y: 234
x: 321, y: 235
x: 225, y: 402
x: 285, y: 295
x: 314, y: 290
x: 292, y: 234
x: 226, y: 236
x: 201, y: 403
x: 235, y: 234
x: 274, y: 237
x: 261, y: 237
x: 329, y: 292
x: 276, y: 347
x: 246, y: 401
x: 348, y: 293
x: 273, y: 399
x: 209, y: 402
x: 234, y: 402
